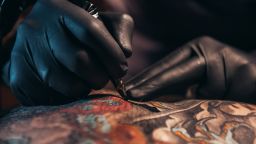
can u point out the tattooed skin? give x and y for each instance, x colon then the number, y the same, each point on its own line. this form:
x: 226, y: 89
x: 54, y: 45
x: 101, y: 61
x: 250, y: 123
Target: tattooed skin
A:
x: 108, y: 119
x: 198, y: 121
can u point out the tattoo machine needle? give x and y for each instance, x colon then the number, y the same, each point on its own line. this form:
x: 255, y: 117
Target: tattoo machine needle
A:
x: 120, y: 87
x: 92, y: 9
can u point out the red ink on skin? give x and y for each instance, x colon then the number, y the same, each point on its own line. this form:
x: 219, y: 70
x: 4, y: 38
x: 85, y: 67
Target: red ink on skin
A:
x: 99, y: 106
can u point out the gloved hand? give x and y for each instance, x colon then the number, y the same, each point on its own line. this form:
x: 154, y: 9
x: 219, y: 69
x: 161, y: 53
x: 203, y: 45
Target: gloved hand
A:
x: 61, y: 52
x: 218, y: 71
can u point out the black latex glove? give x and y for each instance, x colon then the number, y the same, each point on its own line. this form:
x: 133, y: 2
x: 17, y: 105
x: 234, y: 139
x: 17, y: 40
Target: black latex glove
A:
x: 218, y: 70
x: 61, y: 52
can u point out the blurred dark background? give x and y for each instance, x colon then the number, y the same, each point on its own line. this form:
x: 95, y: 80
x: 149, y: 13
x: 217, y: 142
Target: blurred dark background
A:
x: 164, y: 25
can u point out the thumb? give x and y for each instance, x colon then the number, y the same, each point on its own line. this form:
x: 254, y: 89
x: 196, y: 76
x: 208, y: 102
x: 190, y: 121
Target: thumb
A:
x: 121, y: 28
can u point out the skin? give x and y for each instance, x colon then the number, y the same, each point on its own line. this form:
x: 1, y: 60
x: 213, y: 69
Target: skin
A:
x: 201, y: 121
x: 106, y: 115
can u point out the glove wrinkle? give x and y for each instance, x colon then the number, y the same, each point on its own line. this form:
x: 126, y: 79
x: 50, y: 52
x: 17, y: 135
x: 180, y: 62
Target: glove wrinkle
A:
x: 170, y: 61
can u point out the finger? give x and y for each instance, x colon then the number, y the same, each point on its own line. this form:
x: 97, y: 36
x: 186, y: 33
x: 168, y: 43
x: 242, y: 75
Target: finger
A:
x: 121, y: 28
x: 77, y: 59
x: 194, y: 49
x: 180, y: 76
x: 166, y: 63
x: 92, y: 33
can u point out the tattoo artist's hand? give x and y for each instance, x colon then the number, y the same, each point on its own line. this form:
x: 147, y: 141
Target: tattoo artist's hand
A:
x: 218, y: 71
x: 61, y: 52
